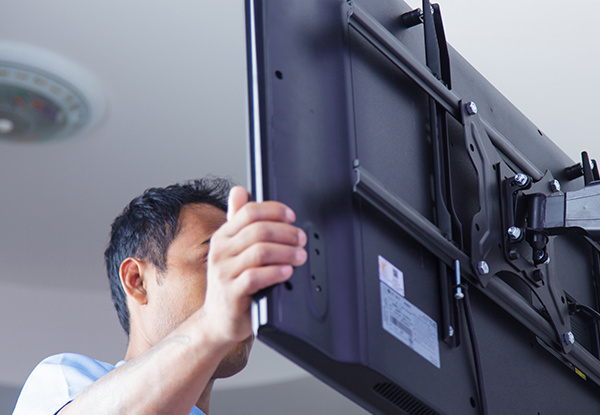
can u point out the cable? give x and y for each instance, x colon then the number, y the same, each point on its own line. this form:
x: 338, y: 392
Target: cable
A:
x: 476, y: 357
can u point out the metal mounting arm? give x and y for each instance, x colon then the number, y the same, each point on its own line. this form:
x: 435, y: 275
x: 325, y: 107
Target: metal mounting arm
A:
x: 494, y: 259
x: 578, y: 210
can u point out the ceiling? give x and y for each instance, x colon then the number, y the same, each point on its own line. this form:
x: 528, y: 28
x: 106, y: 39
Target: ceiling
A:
x: 174, y: 81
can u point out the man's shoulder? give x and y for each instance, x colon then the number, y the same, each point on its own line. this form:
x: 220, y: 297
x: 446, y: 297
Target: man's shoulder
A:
x: 79, y: 362
x: 57, y: 380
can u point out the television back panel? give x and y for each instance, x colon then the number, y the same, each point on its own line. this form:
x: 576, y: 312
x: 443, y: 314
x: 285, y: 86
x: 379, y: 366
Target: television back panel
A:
x: 364, y: 313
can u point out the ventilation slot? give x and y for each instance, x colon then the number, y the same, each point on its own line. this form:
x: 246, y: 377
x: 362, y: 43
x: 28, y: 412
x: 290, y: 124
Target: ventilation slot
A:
x: 402, y: 399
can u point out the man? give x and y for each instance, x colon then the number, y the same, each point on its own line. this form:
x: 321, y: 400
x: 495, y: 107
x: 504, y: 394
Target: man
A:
x: 183, y: 272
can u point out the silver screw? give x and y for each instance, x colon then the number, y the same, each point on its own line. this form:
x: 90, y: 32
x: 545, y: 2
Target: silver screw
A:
x: 514, y: 232
x: 483, y: 268
x: 471, y: 108
x: 569, y: 338
x: 459, y: 292
x: 555, y: 186
x: 521, y: 179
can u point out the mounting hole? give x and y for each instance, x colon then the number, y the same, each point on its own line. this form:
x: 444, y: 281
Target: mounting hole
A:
x: 317, y: 252
x: 477, y: 227
x: 473, y: 403
x: 288, y: 286
x: 312, y: 277
x: 318, y: 288
x: 316, y: 235
x: 472, y: 147
x: 279, y: 74
x: 563, y: 299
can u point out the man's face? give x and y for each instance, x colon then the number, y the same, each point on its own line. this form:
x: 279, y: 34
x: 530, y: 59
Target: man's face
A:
x: 180, y: 291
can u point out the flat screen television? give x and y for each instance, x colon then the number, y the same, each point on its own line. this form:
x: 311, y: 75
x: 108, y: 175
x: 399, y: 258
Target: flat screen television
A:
x: 453, y: 258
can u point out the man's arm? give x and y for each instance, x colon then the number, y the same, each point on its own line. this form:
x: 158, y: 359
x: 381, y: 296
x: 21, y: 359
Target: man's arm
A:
x: 257, y: 247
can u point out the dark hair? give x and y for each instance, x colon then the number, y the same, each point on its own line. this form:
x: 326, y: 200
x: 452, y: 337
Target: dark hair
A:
x: 148, y: 225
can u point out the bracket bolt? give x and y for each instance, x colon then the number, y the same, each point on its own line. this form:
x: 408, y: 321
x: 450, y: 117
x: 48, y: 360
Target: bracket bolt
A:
x: 555, y: 186
x: 514, y: 233
x: 471, y: 108
x: 521, y: 179
x: 537, y: 275
x: 569, y: 338
x: 483, y: 268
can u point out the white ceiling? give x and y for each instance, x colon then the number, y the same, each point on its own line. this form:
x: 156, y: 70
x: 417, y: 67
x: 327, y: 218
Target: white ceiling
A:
x: 173, y: 74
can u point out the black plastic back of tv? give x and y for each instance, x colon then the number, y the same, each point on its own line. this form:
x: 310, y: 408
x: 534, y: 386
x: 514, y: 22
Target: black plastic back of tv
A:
x: 326, y: 107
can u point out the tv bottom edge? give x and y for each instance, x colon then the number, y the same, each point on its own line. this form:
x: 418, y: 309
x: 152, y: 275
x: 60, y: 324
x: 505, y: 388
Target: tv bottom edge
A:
x: 359, y: 383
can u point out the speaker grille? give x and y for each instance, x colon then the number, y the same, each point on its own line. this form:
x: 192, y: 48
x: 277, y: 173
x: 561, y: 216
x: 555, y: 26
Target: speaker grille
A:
x: 402, y: 399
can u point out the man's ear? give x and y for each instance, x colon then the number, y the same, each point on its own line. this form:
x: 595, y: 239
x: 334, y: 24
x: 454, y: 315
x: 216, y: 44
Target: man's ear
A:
x: 133, y: 281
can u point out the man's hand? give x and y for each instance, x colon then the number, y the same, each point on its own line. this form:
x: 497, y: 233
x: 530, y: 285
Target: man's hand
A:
x: 257, y: 247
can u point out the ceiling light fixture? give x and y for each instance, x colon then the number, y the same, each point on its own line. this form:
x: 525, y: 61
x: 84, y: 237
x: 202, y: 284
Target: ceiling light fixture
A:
x: 44, y: 96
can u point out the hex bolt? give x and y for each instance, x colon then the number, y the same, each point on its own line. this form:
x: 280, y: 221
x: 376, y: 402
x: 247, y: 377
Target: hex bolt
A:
x: 539, y: 254
x: 514, y: 233
x: 483, y: 268
x: 569, y: 338
x: 412, y: 18
x: 537, y: 275
x: 555, y: 186
x: 521, y: 179
x: 471, y: 108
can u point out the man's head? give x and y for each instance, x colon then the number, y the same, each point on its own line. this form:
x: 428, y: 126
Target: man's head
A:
x: 148, y: 225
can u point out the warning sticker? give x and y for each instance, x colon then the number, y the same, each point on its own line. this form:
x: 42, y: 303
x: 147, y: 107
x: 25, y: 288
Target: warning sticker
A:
x: 410, y: 325
x: 391, y: 275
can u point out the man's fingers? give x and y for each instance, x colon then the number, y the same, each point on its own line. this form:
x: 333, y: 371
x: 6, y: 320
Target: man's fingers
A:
x: 265, y: 254
x: 252, y: 212
x: 260, y: 255
x: 255, y: 279
x: 238, y: 197
x: 270, y: 232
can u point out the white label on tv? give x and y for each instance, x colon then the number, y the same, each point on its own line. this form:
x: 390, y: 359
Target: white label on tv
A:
x: 391, y: 275
x: 410, y: 325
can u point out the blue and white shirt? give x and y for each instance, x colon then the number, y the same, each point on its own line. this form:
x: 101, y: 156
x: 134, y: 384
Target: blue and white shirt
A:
x: 58, y: 379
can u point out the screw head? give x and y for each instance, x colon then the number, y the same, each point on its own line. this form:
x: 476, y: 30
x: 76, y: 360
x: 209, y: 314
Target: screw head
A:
x: 555, y: 186
x: 537, y: 275
x: 569, y: 338
x: 521, y: 179
x: 483, y: 268
x: 514, y: 233
x: 471, y: 108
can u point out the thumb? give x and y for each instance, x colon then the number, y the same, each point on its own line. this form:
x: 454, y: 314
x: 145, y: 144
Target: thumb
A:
x: 238, y: 197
